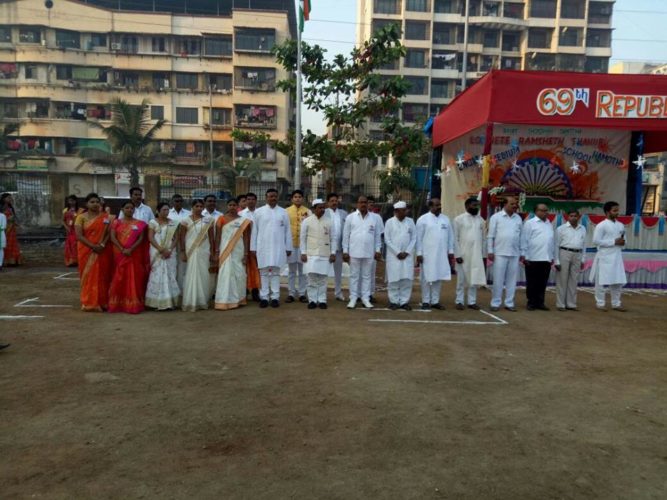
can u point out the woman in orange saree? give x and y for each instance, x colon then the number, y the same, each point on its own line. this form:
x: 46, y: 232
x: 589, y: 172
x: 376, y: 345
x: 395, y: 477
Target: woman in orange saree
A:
x: 13, y: 255
x: 94, y: 257
x: 70, y: 213
x: 128, y: 285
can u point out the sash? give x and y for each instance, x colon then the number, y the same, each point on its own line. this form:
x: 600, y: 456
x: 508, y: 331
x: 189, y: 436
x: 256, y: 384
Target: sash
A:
x: 199, y: 240
x: 168, y: 235
x: 92, y: 257
x: 233, y: 241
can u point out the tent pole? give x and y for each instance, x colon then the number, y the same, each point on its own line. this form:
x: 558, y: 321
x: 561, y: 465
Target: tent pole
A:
x: 488, y: 141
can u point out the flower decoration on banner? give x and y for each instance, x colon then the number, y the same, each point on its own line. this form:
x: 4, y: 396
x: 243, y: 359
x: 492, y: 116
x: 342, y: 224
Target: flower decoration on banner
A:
x: 460, y: 162
x: 640, y: 162
x: 575, y: 168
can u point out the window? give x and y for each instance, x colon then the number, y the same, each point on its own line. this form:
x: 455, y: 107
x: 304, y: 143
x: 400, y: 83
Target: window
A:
x: 572, y: 9
x: 513, y: 10
x: 161, y: 81
x: 490, y: 9
x: 222, y: 81
x: 68, y: 39
x: 418, y: 85
x: 444, y: 33
x: 571, y: 37
x: 539, y: 38
x: 248, y: 150
x: 158, y: 44
x: 128, y: 79
x: 415, y: 58
x: 255, y: 78
x: 571, y: 62
x: 597, y: 64
x: 187, y: 81
x: 541, y: 62
x: 488, y: 63
x: 5, y: 34
x: 490, y: 38
x: 63, y: 72
x: 30, y: 72
x: 543, y: 8
x: 441, y: 89
x: 387, y: 6
x: 255, y: 116
x: 511, y: 41
x: 418, y: 5
x: 511, y: 63
x: 254, y: 39
x: 448, y: 6
x: 416, y: 30
x: 221, y: 116
x: 127, y: 43
x: 378, y: 24
x: 443, y: 60
x: 157, y: 112
x: 187, y: 115
x: 98, y: 40
x: 218, y: 46
x: 598, y: 38
x: 599, y: 13
x: 189, y: 47
x: 30, y: 35
x: 413, y: 112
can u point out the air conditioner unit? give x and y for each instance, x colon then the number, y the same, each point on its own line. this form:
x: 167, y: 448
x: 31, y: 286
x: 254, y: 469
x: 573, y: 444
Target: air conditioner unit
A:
x: 115, y: 46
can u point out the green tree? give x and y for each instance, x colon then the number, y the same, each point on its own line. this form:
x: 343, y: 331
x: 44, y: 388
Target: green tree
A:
x: 229, y: 171
x: 131, y: 138
x: 348, y: 91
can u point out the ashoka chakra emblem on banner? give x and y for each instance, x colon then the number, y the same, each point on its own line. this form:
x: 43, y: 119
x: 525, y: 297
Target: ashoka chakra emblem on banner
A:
x: 537, y: 177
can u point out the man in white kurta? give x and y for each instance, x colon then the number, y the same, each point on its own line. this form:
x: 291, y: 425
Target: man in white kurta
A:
x: 435, y: 248
x: 608, y: 269
x: 504, y: 247
x: 318, y: 252
x: 470, y: 254
x: 271, y: 241
x: 338, y: 216
x: 362, y: 242
x: 400, y: 237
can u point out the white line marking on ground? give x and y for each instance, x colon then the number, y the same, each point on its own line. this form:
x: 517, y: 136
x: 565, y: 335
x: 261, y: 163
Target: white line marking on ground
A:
x: 29, y: 303
x: 64, y: 276
x: 397, y: 310
x: 499, y: 321
x: 9, y: 316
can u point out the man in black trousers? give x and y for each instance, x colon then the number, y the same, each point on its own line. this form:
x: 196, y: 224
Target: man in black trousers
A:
x: 537, y: 256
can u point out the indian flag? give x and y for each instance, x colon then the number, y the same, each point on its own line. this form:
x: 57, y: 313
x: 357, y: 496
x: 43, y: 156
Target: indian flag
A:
x: 304, y: 12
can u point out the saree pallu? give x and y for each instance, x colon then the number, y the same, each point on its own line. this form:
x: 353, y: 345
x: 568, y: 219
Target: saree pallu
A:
x: 196, y: 285
x: 163, y: 291
x: 231, y: 290
x: 13, y: 255
x: 128, y: 285
x: 94, y: 268
x: 69, y: 216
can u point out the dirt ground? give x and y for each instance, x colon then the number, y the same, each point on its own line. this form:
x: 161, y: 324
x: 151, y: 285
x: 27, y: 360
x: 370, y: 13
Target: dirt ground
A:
x: 292, y: 403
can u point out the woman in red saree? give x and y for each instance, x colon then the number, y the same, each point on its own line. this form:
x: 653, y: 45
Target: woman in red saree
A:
x: 128, y: 285
x: 13, y: 255
x: 94, y: 257
x: 70, y: 213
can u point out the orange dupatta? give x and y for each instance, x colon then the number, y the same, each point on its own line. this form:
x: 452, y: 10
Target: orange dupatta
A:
x: 94, y: 268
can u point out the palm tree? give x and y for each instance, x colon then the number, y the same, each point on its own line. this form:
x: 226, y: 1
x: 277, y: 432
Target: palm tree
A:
x: 131, y: 137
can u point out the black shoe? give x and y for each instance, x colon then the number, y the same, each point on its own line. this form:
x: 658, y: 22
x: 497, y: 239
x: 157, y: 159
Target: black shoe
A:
x: 263, y: 303
x: 543, y: 308
x: 512, y: 309
x: 290, y: 299
x: 254, y: 293
x: 406, y: 307
x: 393, y: 307
x: 303, y: 299
x: 530, y: 308
x: 426, y: 306
x: 4, y: 346
x: 323, y: 305
x: 275, y: 303
x: 473, y: 306
x: 312, y: 305
x: 438, y: 307
x: 460, y: 307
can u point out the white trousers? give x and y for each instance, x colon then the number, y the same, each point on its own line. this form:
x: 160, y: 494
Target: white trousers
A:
x: 360, y: 278
x: 373, y: 271
x: 430, y: 290
x: 460, y: 288
x: 270, y: 283
x: 317, y: 288
x: 338, y: 274
x: 614, y: 291
x: 399, y: 292
x: 296, y: 272
x: 505, y: 273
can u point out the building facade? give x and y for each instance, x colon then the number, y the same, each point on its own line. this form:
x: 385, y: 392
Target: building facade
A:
x: 567, y: 35
x: 204, y: 66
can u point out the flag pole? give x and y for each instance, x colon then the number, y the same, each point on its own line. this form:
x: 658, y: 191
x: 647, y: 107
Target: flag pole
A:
x: 297, y: 135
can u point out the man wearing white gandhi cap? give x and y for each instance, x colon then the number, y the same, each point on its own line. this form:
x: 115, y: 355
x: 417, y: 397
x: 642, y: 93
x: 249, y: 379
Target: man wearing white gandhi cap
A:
x: 400, y: 236
x: 318, y: 250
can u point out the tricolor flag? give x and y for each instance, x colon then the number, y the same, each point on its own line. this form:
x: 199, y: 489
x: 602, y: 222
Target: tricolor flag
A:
x: 304, y: 12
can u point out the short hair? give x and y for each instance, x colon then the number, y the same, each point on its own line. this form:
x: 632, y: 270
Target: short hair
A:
x: 197, y: 200
x: 250, y: 195
x: 271, y: 190
x: 430, y: 202
x: 361, y: 196
x: 134, y: 189
x: 609, y: 205
x: 210, y: 196
x: 90, y: 196
x: 177, y: 197
x: 573, y: 211
x: 296, y: 191
x: 331, y: 195
x: 239, y: 198
x: 471, y: 200
x: 371, y: 198
x: 160, y: 205
x: 72, y: 197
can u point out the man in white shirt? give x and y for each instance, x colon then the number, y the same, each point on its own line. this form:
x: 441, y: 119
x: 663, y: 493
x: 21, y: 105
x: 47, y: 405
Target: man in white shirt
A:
x: 271, y: 242
x: 569, y: 251
x: 253, y: 282
x: 210, y: 207
x: 318, y: 251
x: 537, y: 256
x: 608, y: 269
x: 470, y: 254
x: 400, y: 237
x: 177, y: 212
x: 435, y: 250
x: 362, y: 241
x: 337, y: 216
x: 504, y: 247
x: 141, y: 212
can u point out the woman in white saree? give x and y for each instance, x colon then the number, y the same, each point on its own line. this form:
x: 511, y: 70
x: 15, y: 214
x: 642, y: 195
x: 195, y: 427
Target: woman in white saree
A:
x: 233, y: 243
x: 162, y: 292
x: 197, y: 248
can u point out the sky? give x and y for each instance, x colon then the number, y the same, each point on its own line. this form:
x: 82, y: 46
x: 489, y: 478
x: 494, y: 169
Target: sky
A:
x: 639, y: 35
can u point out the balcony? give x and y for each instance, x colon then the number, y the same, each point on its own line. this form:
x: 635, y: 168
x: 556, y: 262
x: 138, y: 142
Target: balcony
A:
x: 249, y: 116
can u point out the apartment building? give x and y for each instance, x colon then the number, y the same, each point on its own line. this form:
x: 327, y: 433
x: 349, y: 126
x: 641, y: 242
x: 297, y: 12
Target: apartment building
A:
x: 205, y: 67
x: 569, y: 35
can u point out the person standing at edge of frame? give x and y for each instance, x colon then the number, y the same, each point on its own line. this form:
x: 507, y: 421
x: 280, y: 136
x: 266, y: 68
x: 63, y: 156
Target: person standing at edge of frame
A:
x: 504, y: 246
x: 537, y: 256
x: 570, y: 253
x: 470, y: 254
x: 608, y: 269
